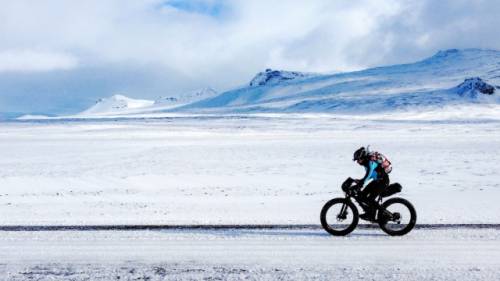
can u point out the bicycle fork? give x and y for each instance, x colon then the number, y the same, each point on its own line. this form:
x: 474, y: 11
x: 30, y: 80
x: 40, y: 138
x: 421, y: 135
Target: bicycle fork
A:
x: 343, y: 213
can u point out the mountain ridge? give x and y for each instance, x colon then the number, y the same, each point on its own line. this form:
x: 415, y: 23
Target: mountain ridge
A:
x: 399, y: 85
x: 449, y: 77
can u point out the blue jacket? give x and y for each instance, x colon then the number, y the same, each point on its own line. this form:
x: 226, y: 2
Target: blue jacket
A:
x: 371, y: 173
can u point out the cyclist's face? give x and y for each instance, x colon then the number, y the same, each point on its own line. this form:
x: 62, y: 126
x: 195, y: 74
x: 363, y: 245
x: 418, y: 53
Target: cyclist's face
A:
x: 360, y: 161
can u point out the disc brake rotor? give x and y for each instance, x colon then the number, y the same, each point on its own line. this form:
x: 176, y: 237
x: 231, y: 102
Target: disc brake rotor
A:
x: 396, y: 217
x: 342, y: 217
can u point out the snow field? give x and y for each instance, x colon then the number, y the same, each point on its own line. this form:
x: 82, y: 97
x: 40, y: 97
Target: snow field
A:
x: 285, y: 254
x: 260, y: 170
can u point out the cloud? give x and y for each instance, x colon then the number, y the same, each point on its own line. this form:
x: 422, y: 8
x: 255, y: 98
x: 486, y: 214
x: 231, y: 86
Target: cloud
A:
x: 174, y: 46
x: 33, y: 61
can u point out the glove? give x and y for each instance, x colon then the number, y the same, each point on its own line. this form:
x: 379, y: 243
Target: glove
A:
x: 358, y: 185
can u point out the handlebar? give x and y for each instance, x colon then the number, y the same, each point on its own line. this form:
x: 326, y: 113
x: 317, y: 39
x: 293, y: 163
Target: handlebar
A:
x: 350, y: 185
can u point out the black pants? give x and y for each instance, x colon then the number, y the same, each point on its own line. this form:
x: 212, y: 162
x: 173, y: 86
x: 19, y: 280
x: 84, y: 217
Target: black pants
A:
x: 373, y: 189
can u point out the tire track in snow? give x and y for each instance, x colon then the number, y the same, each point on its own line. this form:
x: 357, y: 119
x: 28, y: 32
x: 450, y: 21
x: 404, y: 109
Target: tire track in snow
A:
x: 220, y: 227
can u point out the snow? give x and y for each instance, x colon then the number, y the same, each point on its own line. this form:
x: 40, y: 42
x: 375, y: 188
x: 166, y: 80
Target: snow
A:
x: 275, y: 77
x: 474, y: 87
x: 119, y: 105
x: 263, y: 169
x: 269, y: 153
x: 429, y: 84
x: 290, y: 254
x: 32, y: 117
x: 186, y: 97
x: 466, y: 78
x: 116, y: 103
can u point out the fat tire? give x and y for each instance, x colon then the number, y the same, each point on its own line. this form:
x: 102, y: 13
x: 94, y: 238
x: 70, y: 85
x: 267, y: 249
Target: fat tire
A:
x: 351, y: 227
x: 411, y: 224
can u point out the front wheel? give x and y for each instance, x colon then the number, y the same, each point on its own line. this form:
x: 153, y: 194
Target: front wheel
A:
x: 339, y: 216
x: 398, y: 217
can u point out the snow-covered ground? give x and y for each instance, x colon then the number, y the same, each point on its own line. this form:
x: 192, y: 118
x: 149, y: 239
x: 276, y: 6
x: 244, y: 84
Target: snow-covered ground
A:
x: 245, y: 169
x: 285, y: 254
x: 274, y: 169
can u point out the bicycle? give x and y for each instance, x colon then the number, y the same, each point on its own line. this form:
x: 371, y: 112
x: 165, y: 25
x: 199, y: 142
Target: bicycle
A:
x: 396, y: 216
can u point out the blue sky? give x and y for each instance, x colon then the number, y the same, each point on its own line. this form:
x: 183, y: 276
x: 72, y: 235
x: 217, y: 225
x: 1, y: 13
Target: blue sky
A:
x: 214, y: 9
x: 60, y: 56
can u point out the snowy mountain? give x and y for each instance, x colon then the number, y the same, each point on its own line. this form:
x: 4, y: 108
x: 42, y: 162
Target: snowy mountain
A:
x: 275, y: 77
x: 438, y: 81
x: 114, y: 104
x: 450, y: 78
x: 474, y: 87
x: 186, y: 98
x: 122, y: 105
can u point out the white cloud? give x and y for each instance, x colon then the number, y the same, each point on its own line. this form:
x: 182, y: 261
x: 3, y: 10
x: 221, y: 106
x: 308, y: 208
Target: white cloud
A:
x: 240, y: 37
x: 242, y: 40
x: 222, y: 43
x: 33, y: 61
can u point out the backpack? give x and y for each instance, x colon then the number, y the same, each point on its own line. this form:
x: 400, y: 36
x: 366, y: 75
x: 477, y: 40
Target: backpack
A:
x: 381, y: 160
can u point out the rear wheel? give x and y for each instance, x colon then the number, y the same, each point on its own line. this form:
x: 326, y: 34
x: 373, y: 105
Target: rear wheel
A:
x: 339, y: 216
x: 398, y: 218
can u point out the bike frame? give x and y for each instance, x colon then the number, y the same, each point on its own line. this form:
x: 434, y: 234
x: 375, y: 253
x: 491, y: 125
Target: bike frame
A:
x: 355, y: 194
x: 390, y: 220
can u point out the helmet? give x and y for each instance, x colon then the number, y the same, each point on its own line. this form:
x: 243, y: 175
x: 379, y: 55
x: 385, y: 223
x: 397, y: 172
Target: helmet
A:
x: 359, y: 154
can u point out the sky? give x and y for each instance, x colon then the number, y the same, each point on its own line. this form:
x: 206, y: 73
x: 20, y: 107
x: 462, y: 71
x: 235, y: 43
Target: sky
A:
x: 58, y: 57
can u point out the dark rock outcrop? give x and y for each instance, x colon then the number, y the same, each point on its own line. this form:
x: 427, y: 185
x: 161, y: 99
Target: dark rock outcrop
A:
x: 473, y: 86
x: 273, y: 77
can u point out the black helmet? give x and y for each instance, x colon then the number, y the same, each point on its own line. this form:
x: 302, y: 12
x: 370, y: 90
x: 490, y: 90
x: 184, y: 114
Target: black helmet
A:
x: 359, y: 154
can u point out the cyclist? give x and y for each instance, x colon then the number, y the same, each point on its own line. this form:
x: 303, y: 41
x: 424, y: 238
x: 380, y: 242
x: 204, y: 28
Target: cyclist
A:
x: 377, y: 180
